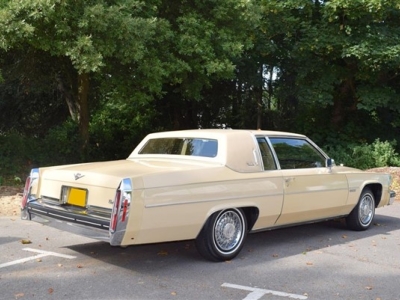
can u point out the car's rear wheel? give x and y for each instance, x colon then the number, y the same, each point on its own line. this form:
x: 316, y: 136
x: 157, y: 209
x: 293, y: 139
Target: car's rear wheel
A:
x: 362, y: 215
x: 223, y: 235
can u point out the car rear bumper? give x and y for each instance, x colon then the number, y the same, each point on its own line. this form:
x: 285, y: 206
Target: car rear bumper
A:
x: 77, y: 223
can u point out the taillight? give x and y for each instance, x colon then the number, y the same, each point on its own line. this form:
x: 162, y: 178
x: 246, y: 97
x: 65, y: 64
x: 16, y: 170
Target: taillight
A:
x: 114, y: 216
x: 28, y: 186
x: 26, y: 192
x: 120, y: 211
x: 124, y: 210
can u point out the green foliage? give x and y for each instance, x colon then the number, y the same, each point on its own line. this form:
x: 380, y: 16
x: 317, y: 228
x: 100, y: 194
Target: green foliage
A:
x: 29, y: 100
x: 60, y: 146
x: 328, y: 69
x: 14, y: 156
x: 118, y: 126
x: 366, y: 156
x: 19, y: 153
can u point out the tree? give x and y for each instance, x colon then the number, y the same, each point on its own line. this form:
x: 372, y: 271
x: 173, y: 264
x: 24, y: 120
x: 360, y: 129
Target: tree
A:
x: 336, y: 61
x: 208, y: 37
x: 85, y: 34
x: 158, y: 44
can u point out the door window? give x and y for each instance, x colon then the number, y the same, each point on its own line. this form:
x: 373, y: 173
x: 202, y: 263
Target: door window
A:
x: 297, y: 153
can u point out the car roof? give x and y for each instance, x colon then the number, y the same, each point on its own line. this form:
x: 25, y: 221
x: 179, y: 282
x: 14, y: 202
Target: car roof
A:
x: 223, y: 132
x: 236, y: 150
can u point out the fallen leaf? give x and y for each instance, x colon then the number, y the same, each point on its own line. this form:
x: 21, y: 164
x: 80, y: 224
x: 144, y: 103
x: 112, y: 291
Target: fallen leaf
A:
x: 50, y: 290
x: 19, y: 295
x: 275, y: 255
x: 25, y: 241
x: 38, y: 260
x: 368, y: 288
x: 163, y: 253
x: 79, y: 266
x: 173, y: 293
x: 309, y: 263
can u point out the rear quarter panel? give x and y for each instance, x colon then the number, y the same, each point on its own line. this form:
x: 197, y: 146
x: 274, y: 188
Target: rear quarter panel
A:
x: 178, y: 210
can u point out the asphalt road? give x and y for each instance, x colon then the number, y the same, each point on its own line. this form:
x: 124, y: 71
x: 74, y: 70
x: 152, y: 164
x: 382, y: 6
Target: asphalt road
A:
x: 318, y: 261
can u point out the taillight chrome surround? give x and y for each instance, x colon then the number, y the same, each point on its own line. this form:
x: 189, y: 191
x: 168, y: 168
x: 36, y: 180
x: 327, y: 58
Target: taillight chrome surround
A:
x: 30, y: 181
x: 120, y: 211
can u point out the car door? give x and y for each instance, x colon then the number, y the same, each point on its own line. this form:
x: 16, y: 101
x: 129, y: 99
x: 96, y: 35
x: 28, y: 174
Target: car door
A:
x: 311, y: 190
x: 270, y: 204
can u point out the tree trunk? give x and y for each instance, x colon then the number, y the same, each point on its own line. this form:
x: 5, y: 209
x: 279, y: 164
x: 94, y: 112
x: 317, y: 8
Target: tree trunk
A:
x: 259, y: 96
x: 83, y: 90
x: 66, y: 89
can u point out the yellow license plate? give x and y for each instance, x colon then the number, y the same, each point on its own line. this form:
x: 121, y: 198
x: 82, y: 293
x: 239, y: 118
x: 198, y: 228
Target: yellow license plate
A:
x: 77, y: 197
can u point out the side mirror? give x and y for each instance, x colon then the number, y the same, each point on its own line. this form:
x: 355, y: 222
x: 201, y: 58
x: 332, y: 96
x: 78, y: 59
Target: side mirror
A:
x: 329, y: 162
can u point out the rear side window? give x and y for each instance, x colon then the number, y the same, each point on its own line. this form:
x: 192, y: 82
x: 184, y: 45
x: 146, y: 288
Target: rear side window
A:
x: 297, y: 153
x: 181, y: 146
x: 266, y: 154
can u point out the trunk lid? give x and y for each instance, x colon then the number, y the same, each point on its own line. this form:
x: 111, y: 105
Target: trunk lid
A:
x: 101, y: 179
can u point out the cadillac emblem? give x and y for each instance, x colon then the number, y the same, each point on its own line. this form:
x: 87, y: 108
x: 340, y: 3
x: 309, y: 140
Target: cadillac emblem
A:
x: 78, y: 176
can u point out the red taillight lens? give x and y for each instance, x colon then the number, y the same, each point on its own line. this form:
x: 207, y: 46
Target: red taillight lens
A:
x: 26, y: 192
x: 115, y: 211
x: 30, y: 181
x: 124, y: 209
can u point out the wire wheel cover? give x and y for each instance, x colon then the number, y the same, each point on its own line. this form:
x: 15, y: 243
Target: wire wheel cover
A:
x: 228, y: 231
x: 366, y: 209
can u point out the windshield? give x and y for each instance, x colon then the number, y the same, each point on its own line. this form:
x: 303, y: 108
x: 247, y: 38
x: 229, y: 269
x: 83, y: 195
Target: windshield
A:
x: 181, y: 146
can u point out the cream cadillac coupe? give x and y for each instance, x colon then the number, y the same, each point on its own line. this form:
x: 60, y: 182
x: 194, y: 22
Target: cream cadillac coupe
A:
x: 214, y: 186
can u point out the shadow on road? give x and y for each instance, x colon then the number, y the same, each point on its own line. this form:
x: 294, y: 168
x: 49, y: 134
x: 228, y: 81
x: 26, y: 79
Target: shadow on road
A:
x: 259, y: 247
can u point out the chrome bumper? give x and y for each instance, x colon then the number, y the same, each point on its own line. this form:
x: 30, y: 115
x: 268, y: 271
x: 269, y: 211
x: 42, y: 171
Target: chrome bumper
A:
x: 80, y: 224
x: 392, y: 197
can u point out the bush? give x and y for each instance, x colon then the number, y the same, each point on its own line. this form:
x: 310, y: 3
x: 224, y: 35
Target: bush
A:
x: 14, y: 157
x: 366, y: 156
x: 20, y: 153
x: 61, y: 145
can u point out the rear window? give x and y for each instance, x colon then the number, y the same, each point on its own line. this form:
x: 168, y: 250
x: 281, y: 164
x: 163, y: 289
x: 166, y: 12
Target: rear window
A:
x: 181, y: 146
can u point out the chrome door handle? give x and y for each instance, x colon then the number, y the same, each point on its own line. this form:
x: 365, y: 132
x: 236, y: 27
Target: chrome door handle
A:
x: 288, y: 180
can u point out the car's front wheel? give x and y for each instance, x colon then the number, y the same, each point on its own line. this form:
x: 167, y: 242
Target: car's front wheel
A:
x: 362, y: 215
x: 223, y: 235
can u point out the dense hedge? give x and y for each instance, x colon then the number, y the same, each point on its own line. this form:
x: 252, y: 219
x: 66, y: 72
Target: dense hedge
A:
x: 18, y: 153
